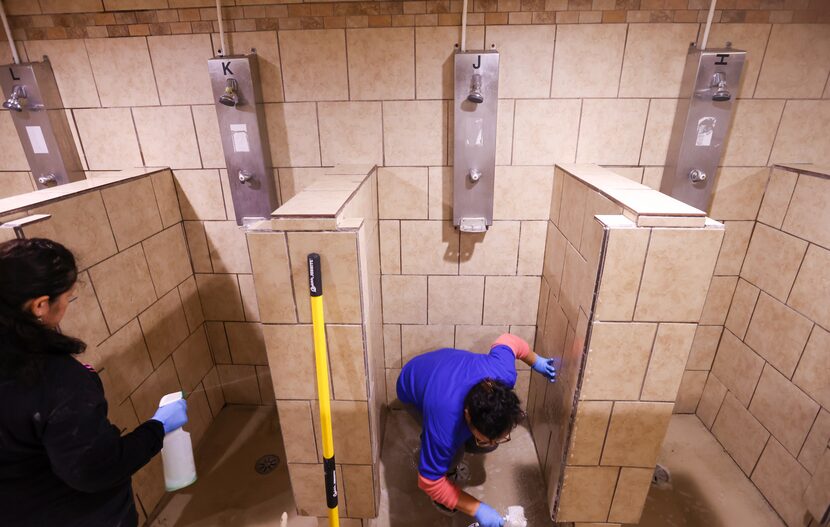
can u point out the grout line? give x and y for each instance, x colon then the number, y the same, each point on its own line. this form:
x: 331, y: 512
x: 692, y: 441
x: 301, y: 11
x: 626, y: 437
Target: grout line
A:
x: 622, y: 60
x: 643, y: 142
x: 552, y: 62
x: 772, y: 148
x: 319, y: 134
x: 755, y: 465
x: 290, y: 267
x: 137, y: 140
x: 282, y: 68
x: 798, y: 272
x: 196, y: 136
x: 642, y: 273
x: 348, y: 77
x: 614, y: 495
x: 512, y: 129
x: 92, y: 71
x: 153, y: 69
x: 578, y: 130
x: 812, y: 426
x: 763, y: 57
x: 648, y: 363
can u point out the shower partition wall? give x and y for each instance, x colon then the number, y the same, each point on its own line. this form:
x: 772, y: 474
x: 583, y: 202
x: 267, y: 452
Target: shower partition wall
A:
x: 625, y: 278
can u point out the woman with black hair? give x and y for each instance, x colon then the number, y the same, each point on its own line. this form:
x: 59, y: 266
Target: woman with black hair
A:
x: 62, y: 463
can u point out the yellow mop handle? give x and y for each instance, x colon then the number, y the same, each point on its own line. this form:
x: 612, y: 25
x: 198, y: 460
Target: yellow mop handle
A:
x: 315, y: 285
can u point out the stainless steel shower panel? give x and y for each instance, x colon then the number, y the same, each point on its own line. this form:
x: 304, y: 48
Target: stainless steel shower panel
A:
x: 238, y: 99
x: 704, y: 113
x: 39, y: 117
x: 474, y: 164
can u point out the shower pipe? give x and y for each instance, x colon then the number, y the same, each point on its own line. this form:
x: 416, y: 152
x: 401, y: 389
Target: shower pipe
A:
x: 708, y: 25
x: 15, y: 56
x: 464, y: 27
x: 222, y: 52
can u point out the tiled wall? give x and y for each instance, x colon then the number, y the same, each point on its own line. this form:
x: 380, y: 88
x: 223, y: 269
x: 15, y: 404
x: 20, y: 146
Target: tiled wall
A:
x: 138, y: 307
x: 767, y: 399
x: 621, y: 296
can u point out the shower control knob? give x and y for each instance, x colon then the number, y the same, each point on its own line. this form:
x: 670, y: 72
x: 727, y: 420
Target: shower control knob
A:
x: 48, y: 179
x: 475, y: 174
x: 697, y: 175
x: 245, y: 176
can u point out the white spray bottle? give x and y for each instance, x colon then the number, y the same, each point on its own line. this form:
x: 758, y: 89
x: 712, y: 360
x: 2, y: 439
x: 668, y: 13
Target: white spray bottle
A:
x: 177, y: 453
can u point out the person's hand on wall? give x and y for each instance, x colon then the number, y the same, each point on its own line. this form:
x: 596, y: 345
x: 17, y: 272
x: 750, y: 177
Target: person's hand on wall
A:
x: 172, y: 416
x: 486, y: 516
x: 546, y: 367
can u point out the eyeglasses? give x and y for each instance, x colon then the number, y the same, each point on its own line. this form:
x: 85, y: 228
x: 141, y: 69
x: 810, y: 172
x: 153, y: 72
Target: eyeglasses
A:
x: 492, y: 442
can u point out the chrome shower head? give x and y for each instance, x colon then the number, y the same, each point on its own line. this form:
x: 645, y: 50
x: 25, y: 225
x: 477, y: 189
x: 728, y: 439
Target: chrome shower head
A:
x: 719, y: 85
x: 17, y: 100
x: 230, y: 97
x: 475, y: 89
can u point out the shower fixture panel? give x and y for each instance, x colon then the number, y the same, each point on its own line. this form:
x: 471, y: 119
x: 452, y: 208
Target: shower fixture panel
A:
x: 31, y: 95
x: 704, y: 112
x: 474, y: 164
x: 239, y: 109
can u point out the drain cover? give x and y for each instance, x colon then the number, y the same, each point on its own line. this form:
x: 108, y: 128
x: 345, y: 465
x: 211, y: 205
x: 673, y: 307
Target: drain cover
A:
x: 266, y: 464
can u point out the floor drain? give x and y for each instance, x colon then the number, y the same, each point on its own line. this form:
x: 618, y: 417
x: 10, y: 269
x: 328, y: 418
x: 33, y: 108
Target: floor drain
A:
x: 266, y: 464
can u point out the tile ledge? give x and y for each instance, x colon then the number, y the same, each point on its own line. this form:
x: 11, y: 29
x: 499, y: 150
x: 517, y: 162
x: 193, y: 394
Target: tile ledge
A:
x: 821, y: 171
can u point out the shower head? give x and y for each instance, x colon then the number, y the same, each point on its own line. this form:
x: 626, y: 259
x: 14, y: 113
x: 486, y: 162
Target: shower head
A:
x: 17, y: 100
x: 719, y: 85
x: 475, y: 89
x: 230, y: 97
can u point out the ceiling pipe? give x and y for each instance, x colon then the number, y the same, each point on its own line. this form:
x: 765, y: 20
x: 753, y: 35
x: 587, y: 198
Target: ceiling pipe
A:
x: 8, y: 31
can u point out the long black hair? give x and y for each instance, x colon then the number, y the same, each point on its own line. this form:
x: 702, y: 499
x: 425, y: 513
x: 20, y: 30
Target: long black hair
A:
x: 30, y: 269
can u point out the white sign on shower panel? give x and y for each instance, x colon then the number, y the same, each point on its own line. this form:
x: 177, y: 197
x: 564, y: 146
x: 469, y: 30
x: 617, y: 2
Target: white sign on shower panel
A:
x: 239, y: 133
x: 37, y: 140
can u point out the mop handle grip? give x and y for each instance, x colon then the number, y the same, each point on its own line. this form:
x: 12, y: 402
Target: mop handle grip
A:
x: 315, y: 275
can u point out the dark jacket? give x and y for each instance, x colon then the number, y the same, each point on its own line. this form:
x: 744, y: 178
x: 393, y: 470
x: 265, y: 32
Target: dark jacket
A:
x: 62, y: 463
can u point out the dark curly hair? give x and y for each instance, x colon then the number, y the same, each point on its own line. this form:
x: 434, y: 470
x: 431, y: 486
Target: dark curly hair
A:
x: 30, y: 269
x: 493, y: 408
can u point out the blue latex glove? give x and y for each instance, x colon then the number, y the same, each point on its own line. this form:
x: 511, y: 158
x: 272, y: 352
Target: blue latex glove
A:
x: 546, y: 367
x: 172, y: 416
x: 486, y: 516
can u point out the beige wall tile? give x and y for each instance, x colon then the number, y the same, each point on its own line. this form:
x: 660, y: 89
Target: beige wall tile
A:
x: 338, y: 256
x: 293, y: 134
x: 381, y: 63
x: 690, y: 391
x: 297, y: 431
x: 167, y: 259
x: 787, y: 412
x: 191, y: 303
x: 625, y: 254
x: 718, y: 299
x: 405, y: 299
x: 778, y: 334
x: 429, y: 247
x: 146, y: 397
x: 704, y: 346
x: 132, y: 211
x: 676, y: 291
x: 587, y: 493
x: 207, y: 134
x: 523, y: 193
x: 740, y: 433
x: 668, y: 359
x: 816, y: 442
x: 164, y: 327
x: 309, y: 488
x: 197, y: 246
x: 416, y: 340
x: 73, y: 74
x: 803, y: 133
x: 652, y: 177
x: 526, y: 59
x: 455, y: 299
x: 123, y: 286
x: 645, y: 74
x: 434, y: 66
x: 772, y: 260
x: 125, y: 357
x: 268, y: 58
x: 504, y: 132
x: 228, y: 247
x: 532, y: 247
x: 269, y: 259
x: 751, y: 38
x: 661, y: 115
x: 817, y: 495
x: 615, y: 348
x: 440, y: 193
x: 12, y: 156
x: 553, y: 266
x: 811, y: 374
x: 123, y: 72
x: 293, y: 180
x: 812, y: 286
x: 737, y: 367
x: 173, y: 144
x: 14, y: 183
x: 782, y: 481
x: 239, y: 383
x: 572, y: 213
x: 611, y: 131
x: 630, y: 495
x: 511, y: 299
x: 109, y: 138
x: 348, y: 365
x: 199, y: 416
x: 294, y: 344
x: 587, y: 60
x: 805, y: 77
x: 220, y: 296
x: 536, y: 141
x: 246, y: 343
x: 635, y: 433
x: 710, y: 401
x: 738, y: 193
x: 364, y: 141
x: 414, y: 132
x: 743, y: 304
x: 213, y: 389
x: 350, y: 424
x: 193, y: 360
x: 200, y: 194
x: 179, y: 65
x: 777, y: 197
x: 578, y: 281
x: 148, y: 486
x: 165, y: 190
x: 752, y: 133
x: 733, y: 250
x: 84, y: 319
x: 589, y: 432
x: 402, y: 193
x: 392, y: 345
x: 808, y: 215
x: 593, y: 230
x: 478, y: 339
x: 314, y: 65
x: 358, y: 487
x: 390, y: 246
x: 494, y: 252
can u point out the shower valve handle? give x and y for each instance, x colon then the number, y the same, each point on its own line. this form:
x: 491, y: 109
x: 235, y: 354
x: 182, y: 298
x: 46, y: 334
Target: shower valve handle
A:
x: 245, y: 176
x: 48, y: 179
x: 475, y: 174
